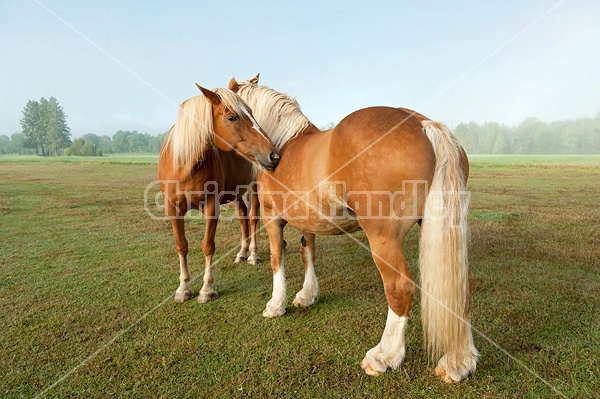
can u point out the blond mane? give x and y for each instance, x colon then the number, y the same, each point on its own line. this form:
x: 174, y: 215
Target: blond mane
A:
x: 277, y: 113
x: 192, y: 135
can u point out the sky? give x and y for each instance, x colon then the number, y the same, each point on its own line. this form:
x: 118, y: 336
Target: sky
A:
x: 453, y: 61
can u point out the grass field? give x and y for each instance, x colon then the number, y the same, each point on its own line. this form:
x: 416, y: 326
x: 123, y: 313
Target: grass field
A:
x: 84, y: 271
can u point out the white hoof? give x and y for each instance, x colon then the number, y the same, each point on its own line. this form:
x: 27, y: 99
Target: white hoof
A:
x: 300, y: 301
x: 253, y: 260
x: 184, y: 296
x: 204, y: 297
x: 453, y: 372
x: 273, y: 311
x: 368, y: 368
x: 444, y: 376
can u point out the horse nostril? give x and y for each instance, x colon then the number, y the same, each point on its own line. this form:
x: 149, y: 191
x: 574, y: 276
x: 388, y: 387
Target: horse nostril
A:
x: 274, y: 157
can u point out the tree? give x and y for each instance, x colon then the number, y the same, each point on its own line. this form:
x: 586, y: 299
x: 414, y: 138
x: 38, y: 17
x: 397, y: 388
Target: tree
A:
x: 91, y: 138
x: 75, y: 148
x: 4, y: 144
x: 120, y: 141
x: 30, y: 126
x: 57, y: 132
x: 501, y: 146
x: 105, y: 144
x: 88, y: 150
x: 44, y: 126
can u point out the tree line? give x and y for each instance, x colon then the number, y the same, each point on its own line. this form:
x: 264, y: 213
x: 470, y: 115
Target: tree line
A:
x: 532, y: 136
x: 123, y: 141
x: 45, y: 131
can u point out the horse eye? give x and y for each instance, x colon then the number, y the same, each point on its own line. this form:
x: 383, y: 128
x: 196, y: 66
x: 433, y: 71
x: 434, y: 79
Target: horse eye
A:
x: 231, y: 118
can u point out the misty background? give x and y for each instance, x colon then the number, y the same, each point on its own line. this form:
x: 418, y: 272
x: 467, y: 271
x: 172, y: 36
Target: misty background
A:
x: 509, y: 77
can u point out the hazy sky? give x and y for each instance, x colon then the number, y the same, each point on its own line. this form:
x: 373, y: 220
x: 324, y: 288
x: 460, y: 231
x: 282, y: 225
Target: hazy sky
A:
x: 335, y: 57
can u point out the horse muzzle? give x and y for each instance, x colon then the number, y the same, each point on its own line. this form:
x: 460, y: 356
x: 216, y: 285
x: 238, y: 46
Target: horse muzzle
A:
x: 271, y: 163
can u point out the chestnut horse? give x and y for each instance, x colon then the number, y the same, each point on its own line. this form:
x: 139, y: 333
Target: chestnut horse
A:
x: 381, y: 170
x: 205, y: 161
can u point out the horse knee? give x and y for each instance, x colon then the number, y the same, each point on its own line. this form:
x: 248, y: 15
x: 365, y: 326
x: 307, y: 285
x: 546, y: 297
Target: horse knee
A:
x: 182, y: 247
x: 208, y: 247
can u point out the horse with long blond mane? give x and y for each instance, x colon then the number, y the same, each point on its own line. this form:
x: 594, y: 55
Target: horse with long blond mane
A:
x: 206, y: 160
x: 381, y: 170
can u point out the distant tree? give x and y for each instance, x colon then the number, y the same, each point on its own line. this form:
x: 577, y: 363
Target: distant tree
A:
x: 88, y: 150
x: 138, y: 142
x: 501, y: 146
x: 17, y: 144
x: 4, y: 144
x: 44, y: 126
x: 30, y: 125
x: 57, y: 132
x: 120, y: 141
x: 81, y: 147
x: 91, y: 138
x: 105, y: 144
x: 155, y: 143
x: 76, y: 147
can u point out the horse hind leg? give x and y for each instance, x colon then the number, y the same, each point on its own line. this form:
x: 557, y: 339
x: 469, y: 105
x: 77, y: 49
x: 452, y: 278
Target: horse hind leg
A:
x: 276, y: 306
x: 399, y: 290
x: 254, y: 259
x: 242, y: 215
x: 309, y: 293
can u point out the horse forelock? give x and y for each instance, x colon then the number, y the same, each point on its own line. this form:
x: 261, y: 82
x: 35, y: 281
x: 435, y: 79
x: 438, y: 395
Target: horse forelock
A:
x: 277, y: 113
x: 193, y: 133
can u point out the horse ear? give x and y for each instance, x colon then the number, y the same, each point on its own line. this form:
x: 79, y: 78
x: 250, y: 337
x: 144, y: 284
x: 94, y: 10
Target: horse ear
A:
x: 255, y: 79
x: 210, y: 95
x: 233, y: 85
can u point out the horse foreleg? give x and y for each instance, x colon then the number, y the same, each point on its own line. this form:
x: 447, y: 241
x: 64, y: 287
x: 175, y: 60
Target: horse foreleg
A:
x: 254, y: 259
x: 310, y: 290
x: 183, y: 293
x: 207, y: 293
x: 276, y: 306
x: 242, y: 215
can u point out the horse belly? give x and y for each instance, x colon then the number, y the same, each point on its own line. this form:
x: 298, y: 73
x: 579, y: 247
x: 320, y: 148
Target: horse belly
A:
x: 319, y: 215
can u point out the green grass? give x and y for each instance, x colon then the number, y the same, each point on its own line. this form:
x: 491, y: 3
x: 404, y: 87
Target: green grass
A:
x: 80, y: 261
x: 539, y: 161
x: 115, y: 159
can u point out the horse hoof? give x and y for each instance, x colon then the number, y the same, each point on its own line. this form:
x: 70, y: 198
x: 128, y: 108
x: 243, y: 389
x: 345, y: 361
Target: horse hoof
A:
x: 240, y: 259
x: 299, y: 304
x: 267, y: 313
x: 204, y: 297
x: 444, y: 376
x: 184, y: 296
x: 368, y: 368
x: 253, y: 260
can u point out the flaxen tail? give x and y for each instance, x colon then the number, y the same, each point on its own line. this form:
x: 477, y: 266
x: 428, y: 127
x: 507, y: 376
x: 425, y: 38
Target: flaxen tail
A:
x: 443, y: 259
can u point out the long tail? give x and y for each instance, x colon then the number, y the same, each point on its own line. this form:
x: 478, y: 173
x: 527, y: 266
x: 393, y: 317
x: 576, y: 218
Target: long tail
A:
x: 443, y: 251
